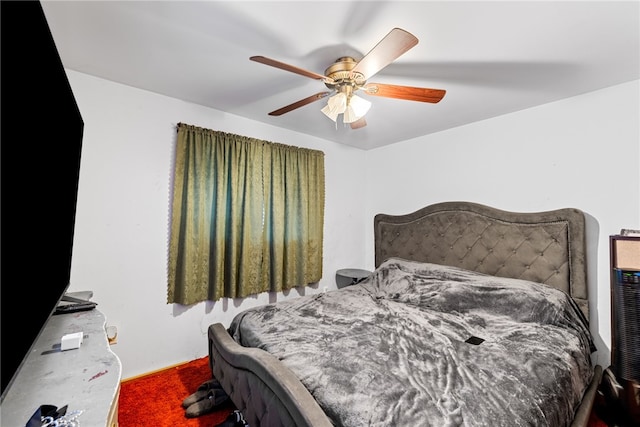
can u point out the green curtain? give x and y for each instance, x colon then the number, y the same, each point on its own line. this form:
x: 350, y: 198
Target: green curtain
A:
x: 247, y: 216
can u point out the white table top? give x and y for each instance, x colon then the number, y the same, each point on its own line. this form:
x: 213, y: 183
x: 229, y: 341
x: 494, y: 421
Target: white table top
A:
x: 85, y: 378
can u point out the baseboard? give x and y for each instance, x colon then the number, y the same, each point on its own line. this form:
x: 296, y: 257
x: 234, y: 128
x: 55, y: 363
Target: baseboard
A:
x: 146, y: 374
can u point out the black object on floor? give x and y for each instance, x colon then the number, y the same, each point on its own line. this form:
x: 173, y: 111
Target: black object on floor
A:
x: 202, y: 392
x: 235, y: 419
x: 213, y: 400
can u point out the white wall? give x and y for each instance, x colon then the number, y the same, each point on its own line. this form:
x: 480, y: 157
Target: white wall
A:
x: 581, y: 152
x: 564, y: 154
x: 121, y: 236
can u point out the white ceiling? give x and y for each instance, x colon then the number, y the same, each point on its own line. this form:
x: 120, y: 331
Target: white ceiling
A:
x: 492, y: 58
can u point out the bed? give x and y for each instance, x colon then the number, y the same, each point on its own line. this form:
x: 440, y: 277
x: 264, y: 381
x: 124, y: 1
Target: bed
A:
x: 473, y: 316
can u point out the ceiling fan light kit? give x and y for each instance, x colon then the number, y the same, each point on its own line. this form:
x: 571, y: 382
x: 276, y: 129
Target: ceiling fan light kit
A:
x: 351, y: 106
x: 346, y: 76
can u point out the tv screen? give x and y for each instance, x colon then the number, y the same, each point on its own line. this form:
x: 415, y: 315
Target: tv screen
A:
x: 41, y: 141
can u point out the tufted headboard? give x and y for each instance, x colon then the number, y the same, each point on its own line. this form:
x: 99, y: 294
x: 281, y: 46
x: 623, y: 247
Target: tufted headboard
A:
x: 544, y: 247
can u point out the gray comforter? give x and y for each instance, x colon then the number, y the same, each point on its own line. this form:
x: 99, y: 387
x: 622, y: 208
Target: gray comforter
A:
x: 421, y: 344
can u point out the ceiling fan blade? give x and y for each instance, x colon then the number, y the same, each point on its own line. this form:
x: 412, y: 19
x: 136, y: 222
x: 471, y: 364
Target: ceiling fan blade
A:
x: 360, y: 123
x: 404, y: 92
x: 291, y: 68
x: 394, y: 44
x: 301, y: 103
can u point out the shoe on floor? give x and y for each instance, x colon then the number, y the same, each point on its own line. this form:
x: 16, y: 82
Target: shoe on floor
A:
x: 201, y: 392
x: 213, y: 400
x: 234, y: 419
x: 195, y: 397
x: 210, y: 384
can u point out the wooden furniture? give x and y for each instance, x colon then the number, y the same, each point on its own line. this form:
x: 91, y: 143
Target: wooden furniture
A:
x: 85, y: 379
x: 544, y: 247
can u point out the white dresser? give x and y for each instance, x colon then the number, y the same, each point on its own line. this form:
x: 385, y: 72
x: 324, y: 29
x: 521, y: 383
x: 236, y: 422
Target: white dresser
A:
x: 86, y: 378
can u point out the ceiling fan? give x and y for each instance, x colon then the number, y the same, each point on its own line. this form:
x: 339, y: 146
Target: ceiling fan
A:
x: 346, y: 76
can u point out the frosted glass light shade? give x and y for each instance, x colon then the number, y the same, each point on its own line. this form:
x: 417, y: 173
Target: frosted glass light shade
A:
x: 352, y: 107
x: 336, y: 104
x: 356, y: 109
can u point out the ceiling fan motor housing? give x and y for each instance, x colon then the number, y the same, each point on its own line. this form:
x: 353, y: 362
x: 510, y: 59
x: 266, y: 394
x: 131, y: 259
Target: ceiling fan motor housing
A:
x: 340, y: 73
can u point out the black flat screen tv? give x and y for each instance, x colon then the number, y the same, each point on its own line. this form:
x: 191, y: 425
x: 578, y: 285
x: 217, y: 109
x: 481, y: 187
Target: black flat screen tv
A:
x: 42, y: 132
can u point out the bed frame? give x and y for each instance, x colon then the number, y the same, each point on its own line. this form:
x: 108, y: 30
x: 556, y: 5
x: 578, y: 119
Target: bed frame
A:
x: 546, y: 247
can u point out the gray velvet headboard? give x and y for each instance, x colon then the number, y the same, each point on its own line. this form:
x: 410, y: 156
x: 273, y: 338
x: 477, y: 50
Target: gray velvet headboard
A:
x: 544, y: 247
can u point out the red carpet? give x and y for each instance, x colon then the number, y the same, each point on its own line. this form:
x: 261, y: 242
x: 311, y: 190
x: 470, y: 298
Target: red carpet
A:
x: 594, y: 421
x: 156, y: 399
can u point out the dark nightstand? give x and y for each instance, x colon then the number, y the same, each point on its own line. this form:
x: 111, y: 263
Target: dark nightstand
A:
x: 350, y: 276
